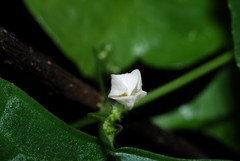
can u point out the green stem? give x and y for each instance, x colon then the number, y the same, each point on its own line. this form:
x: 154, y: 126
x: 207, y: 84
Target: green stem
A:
x: 186, y: 78
x: 101, y: 56
x: 101, y: 82
x: 173, y: 85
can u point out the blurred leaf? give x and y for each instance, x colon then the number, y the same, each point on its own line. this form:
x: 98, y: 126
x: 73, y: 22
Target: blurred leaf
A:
x: 227, y: 132
x: 215, y: 102
x: 234, y: 6
x: 29, y: 132
x: 132, y: 154
x: 164, y: 34
x: 208, y: 111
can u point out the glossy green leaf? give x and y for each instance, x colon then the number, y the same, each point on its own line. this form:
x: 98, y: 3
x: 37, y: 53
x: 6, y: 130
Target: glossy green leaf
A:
x: 213, y: 103
x: 234, y: 6
x: 132, y: 154
x: 29, y: 132
x: 208, y: 112
x: 162, y: 33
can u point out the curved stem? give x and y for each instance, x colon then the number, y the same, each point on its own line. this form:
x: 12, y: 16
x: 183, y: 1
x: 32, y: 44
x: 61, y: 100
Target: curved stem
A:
x: 186, y: 78
x: 175, y: 84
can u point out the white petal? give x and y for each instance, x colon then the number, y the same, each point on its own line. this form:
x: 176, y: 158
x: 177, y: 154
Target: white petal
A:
x: 140, y: 95
x: 138, y: 75
x: 118, y: 88
x: 129, y: 80
x: 127, y: 88
x: 127, y: 101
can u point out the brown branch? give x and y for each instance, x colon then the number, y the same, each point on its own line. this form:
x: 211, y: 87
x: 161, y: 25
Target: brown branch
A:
x: 48, y: 71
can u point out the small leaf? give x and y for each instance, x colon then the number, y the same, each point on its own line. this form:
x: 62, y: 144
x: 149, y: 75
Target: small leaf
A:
x: 234, y: 6
x: 227, y: 132
x: 164, y: 34
x: 208, y: 112
x: 213, y: 103
x: 29, y: 132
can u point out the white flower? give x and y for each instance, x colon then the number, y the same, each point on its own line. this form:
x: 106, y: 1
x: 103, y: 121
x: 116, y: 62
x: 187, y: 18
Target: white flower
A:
x: 127, y: 88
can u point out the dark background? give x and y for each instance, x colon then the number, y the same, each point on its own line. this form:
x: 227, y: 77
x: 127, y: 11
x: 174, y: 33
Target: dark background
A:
x: 15, y: 18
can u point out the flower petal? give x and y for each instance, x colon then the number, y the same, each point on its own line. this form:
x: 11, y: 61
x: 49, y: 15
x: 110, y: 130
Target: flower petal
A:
x: 118, y: 88
x: 138, y: 75
x: 129, y: 80
x: 140, y: 95
x: 127, y: 101
x: 127, y: 88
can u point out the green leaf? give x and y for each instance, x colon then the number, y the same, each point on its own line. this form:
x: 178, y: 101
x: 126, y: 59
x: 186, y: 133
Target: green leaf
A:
x: 164, y: 34
x: 213, y: 103
x: 209, y: 112
x: 234, y: 6
x: 29, y: 132
x: 132, y: 154
x: 227, y: 132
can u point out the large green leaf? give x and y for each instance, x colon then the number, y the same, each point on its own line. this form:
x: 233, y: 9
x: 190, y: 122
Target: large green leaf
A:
x: 235, y: 10
x: 208, y: 112
x: 132, y: 154
x: 162, y: 33
x: 29, y: 132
